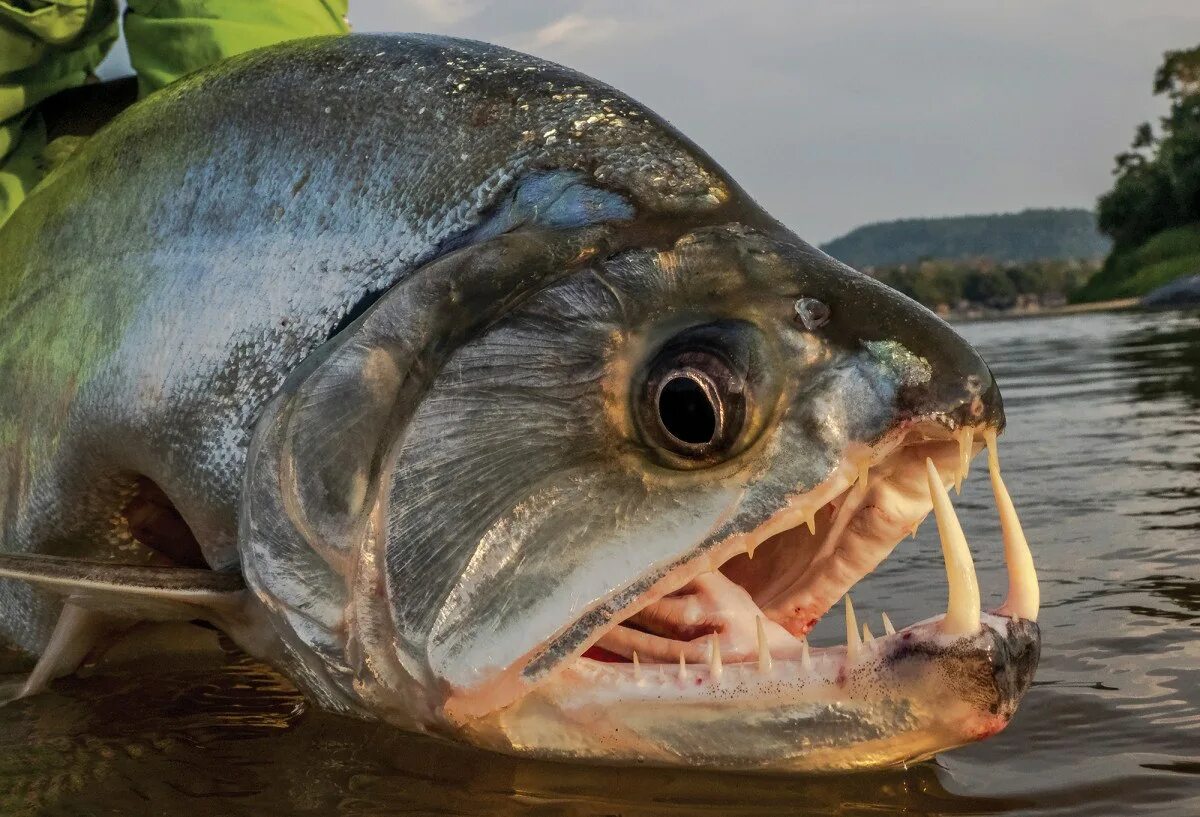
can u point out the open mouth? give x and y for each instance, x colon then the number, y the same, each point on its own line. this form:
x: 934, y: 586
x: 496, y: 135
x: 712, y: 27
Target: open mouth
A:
x: 751, y: 603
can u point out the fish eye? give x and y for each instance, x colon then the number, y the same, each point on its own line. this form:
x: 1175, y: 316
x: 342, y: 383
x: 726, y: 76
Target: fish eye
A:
x: 689, y: 409
x: 693, y: 406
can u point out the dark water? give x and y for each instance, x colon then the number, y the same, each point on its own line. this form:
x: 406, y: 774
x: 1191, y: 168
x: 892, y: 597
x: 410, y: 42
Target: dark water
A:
x: 1103, y: 459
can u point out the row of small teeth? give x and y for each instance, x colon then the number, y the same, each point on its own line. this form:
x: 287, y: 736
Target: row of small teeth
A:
x: 766, y: 664
x: 965, y: 438
x: 963, y: 615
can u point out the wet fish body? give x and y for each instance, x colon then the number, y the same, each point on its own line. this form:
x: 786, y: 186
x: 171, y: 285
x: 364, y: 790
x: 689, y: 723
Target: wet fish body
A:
x: 476, y: 371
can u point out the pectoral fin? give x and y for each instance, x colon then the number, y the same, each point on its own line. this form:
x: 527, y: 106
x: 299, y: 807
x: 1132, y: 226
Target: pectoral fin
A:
x: 140, y: 592
x: 102, y: 598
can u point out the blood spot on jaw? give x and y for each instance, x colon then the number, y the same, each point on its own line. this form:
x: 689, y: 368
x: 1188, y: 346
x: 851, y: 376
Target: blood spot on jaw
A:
x: 989, y: 725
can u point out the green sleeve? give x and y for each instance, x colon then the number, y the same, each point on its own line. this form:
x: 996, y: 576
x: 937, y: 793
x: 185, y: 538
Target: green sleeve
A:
x: 46, y: 46
x: 170, y: 38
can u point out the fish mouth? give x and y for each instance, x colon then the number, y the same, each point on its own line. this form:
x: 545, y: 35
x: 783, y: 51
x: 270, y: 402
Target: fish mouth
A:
x: 756, y: 596
x: 725, y: 632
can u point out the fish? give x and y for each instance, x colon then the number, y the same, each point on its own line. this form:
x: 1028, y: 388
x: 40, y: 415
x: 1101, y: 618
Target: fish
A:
x: 478, y: 400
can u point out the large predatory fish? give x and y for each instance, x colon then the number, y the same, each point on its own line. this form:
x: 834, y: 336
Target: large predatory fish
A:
x: 477, y: 399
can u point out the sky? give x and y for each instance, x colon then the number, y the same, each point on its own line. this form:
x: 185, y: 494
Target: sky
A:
x: 839, y: 113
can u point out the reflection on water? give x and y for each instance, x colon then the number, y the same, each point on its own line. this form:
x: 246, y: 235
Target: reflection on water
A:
x: 233, y: 740
x: 1165, y: 359
x: 1103, y: 458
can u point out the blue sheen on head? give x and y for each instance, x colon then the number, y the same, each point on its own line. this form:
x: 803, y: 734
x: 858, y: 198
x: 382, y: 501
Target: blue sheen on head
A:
x: 557, y: 199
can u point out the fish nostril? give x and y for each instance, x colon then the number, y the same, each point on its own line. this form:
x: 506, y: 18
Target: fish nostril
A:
x: 811, y: 313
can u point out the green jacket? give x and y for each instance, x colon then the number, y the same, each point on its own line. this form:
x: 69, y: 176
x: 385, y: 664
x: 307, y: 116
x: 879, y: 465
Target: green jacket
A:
x: 47, y: 46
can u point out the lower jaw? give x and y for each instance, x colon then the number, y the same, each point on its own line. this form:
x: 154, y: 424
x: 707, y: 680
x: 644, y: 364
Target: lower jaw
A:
x: 900, y: 699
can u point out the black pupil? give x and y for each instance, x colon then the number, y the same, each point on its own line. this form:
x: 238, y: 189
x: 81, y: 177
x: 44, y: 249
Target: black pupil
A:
x: 686, y: 412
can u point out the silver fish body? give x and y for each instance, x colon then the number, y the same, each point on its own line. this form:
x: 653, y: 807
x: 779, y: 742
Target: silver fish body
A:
x: 467, y: 362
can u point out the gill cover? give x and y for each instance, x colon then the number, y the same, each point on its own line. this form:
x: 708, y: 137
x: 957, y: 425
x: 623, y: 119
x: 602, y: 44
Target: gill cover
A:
x: 314, y: 508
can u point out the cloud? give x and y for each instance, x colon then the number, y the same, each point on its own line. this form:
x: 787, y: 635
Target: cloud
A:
x: 836, y: 114
x: 572, y: 30
x: 443, y: 12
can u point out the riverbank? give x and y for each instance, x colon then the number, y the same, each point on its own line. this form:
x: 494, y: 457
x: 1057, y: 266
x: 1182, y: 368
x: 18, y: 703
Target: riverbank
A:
x: 981, y: 314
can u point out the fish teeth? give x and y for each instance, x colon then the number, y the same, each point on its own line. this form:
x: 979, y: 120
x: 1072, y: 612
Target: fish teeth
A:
x: 1024, y: 595
x: 860, y: 484
x: 805, y: 657
x: 637, y: 667
x: 682, y: 667
x: 962, y: 608
x: 966, y: 438
x: 714, y: 657
x: 811, y: 521
x: 888, y: 629
x: 853, y: 644
x: 764, y: 654
x: 868, y: 639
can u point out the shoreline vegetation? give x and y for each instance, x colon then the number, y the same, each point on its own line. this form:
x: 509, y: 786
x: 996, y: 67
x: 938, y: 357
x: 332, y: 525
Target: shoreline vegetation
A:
x: 1144, y: 235
x: 1152, y: 212
x: 1019, y: 313
x: 978, y: 287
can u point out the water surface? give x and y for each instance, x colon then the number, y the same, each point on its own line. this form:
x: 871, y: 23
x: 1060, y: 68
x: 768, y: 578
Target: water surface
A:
x: 1102, y: 457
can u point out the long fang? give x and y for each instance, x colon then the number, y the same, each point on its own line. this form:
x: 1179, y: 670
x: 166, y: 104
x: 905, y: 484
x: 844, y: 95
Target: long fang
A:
x: 962, y: 609
x: 1024, y: 594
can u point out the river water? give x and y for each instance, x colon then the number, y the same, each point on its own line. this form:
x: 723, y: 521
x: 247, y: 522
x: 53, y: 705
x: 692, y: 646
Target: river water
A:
x: 1102, y: 457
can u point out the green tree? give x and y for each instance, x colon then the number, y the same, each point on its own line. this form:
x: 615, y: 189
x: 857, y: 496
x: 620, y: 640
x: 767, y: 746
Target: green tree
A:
x: 990, y: 288
x: 1157, y: 183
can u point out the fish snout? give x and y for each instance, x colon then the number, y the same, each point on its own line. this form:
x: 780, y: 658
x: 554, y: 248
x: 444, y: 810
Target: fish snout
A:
x: 938, y: 375
x: 960, y: 390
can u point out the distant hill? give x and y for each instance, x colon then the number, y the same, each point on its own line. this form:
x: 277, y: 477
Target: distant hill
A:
x: 1030, y: 235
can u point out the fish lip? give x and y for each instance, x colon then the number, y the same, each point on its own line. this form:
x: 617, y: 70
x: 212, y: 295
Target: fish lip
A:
x: 1021, y: 650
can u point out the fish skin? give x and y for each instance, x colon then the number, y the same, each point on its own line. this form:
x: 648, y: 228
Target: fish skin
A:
x: 154, y: 299
x: 298, y: 291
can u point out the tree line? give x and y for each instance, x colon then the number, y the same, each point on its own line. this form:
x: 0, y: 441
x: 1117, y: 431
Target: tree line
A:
x: 1152, y: 212
x: 958, y: 285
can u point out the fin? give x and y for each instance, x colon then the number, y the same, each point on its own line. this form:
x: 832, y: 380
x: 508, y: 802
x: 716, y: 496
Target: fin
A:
x: 102, y: 598
x: 136, y: 592
x: 76, y: 633
x: 323, y: 444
